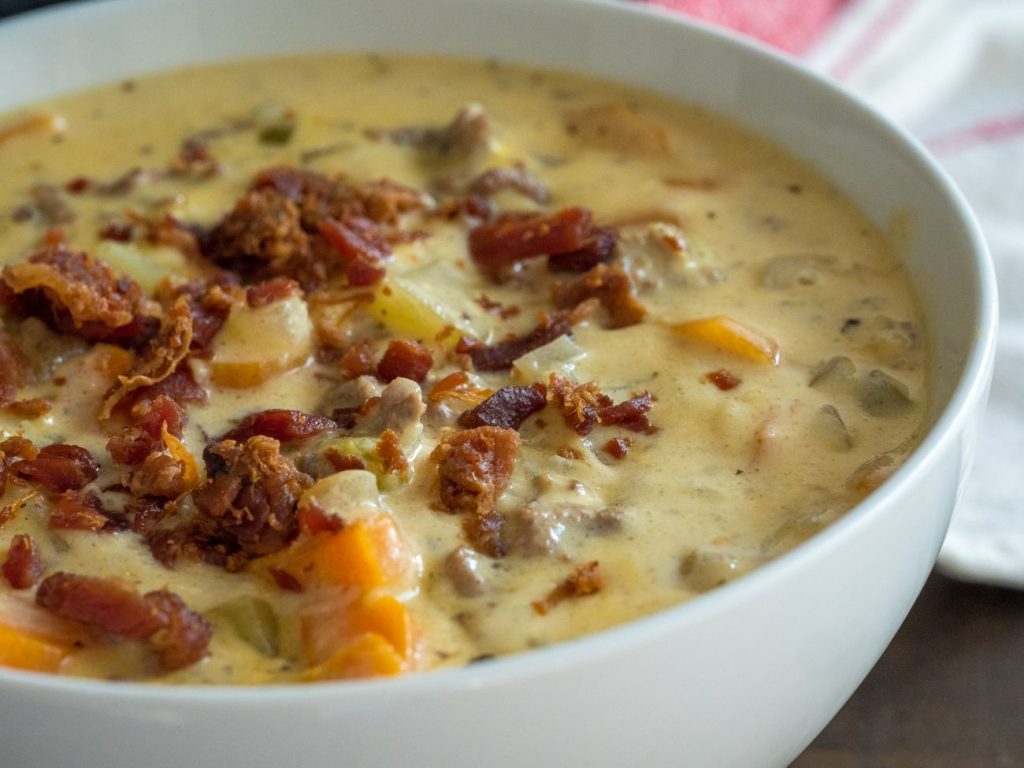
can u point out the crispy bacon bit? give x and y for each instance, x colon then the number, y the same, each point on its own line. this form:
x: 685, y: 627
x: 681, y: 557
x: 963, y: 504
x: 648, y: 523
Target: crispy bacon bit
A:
x: 59, y: 468
x: 144, y: 435
x: 73, y: 513
x: 145, y: 515
x: 161, y: 476
x: 162, y: 358
x: 457, y: 386
x: 115, y: 610
x: 578, y: 403
x: 110, y: 607
x: 185, y: 634
x: 269, y: 291
x: 406, y: 359
x: 361, y: 245
x: 32, y: 409
x: 14, y: 368
x: 631, y: 414
x: 180, y: 386
x: 246, y: 509
x: 23, y: 566
x: 314, y: 519
x: 500, y: 356
x: 515, y: 237
x: 618, y: 447
x: 283, y: 425
x: 475, y: 467
x: 516, y: 178
x: 599, y: 249
x: 507, y: 408
x: 585, y: 579
x: 390, y: 452
x: 609, y: 285
x: 209, y: 304
x: 75, y: 294
x: 723, y: 379
x: 358, y: 359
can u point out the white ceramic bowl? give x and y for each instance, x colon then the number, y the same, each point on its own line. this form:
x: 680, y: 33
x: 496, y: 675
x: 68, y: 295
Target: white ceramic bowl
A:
x: 746, y: 675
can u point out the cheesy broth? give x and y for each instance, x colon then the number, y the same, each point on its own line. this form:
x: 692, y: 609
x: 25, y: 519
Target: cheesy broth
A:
x: 744, y: 454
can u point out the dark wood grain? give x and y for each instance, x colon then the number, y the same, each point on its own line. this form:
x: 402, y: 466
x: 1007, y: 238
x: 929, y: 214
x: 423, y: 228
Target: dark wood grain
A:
x: 948, y: 693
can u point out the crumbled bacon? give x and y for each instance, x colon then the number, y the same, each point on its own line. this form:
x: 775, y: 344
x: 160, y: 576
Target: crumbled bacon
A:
x: 59, y: 467
x: 209, y: 303
x: 144, y: 435
x: 71, y: 512
x: 516, y: 178
x: 500, y: 356
x: 515, y: 237
x: 23, y: 565
x: 723, y: 379
x: 475, y: 467
x: 115, y: 610
x: 389, y: 450
x: 33, y: 408
x: 281, y: 424
x: 144, y: 515
x: 362, y: 247
x: 598, y: 249
x: 631, y: 414
x: 358, y: 359
x: 161, y: 476
x: 609, y: 285
x: 406, y: 359
x: 181, y: 387
x: 585, y: 579
x: 163, y: 356
x: 618, y: 447
x: 76, y: 294
x: 508, y: 408
x: 14, y: 369
x: 246, y: 508
x: 578, y: 403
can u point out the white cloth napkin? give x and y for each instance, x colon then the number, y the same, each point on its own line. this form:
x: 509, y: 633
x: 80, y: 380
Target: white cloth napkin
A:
x: 952, y: 72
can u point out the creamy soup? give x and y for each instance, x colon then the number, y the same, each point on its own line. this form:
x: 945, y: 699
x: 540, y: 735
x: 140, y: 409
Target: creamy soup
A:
x: 333, y: 367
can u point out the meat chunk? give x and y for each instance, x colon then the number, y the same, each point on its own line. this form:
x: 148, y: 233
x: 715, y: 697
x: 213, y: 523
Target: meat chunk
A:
x: 467, y: 134
x: 246, y: 509
x: 78, y: 512
x: 15, y: 369
x: 399, y: 409
x: 59, y: 467
x: 23, y: 566
x: 74, y: 293
x: 515, y: 237
x: 609, y: 285
x: 462, y: 567
x: 599, y: 248
x: 516, y: 178
x: 475, y: 467
x: 406, y: 359
x: 281, y: 424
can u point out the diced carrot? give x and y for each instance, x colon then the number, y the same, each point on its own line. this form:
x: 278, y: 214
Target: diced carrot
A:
x: 367, y: 554
x: 25, y: 650
x: 368, y: 655
x: 730, y: 336
x: 327, y: 628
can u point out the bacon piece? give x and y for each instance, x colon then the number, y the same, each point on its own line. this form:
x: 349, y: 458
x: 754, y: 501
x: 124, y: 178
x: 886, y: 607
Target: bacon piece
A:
x: 507, y: 408
x: 390, y: 452
x: 185, y: 635
x: 161, y: 476
x: 475, y: 467
x: 23, y: 565
x: 246, y: 509
x: 631, y: 414
x: 283, y: 425
x: 609, y: 285
x: 162, y: 358
x: 73, y: 513
x: 144, y: 435
x: 209, y: 304
x: 516, y: 178
x: 269, y: 291
x: 515, y: 237
x: 34, y: 408
x: 59, y: 467
x: 180, y: 386
x: 14, y: 369
x: 408, y: 359
x: 115, y: 610
x: 585, y: 579
x: 361, y: 245
x: 358, y: 359
x: 75, y: 294
x: 110, y: 607
x: 598, y: 249
x: 723, y: 379
x: 500, y: 356
x: 618, y: 447
x: 579, y: 403
x: 145, y: 514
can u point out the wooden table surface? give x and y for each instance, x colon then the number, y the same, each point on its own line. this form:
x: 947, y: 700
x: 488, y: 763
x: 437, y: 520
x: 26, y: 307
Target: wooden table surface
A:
x: 948, y: 692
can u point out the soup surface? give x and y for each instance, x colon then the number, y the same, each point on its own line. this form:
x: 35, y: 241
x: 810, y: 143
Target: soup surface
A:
x: 335, y: 366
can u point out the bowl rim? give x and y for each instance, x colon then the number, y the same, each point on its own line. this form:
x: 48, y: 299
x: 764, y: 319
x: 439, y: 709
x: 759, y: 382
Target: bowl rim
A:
x: 970, y: 388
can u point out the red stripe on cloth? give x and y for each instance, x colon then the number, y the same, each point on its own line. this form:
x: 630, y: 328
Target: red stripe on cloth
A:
x: 982, y: 132
x: 791, y: 25
x: 875, y: 35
